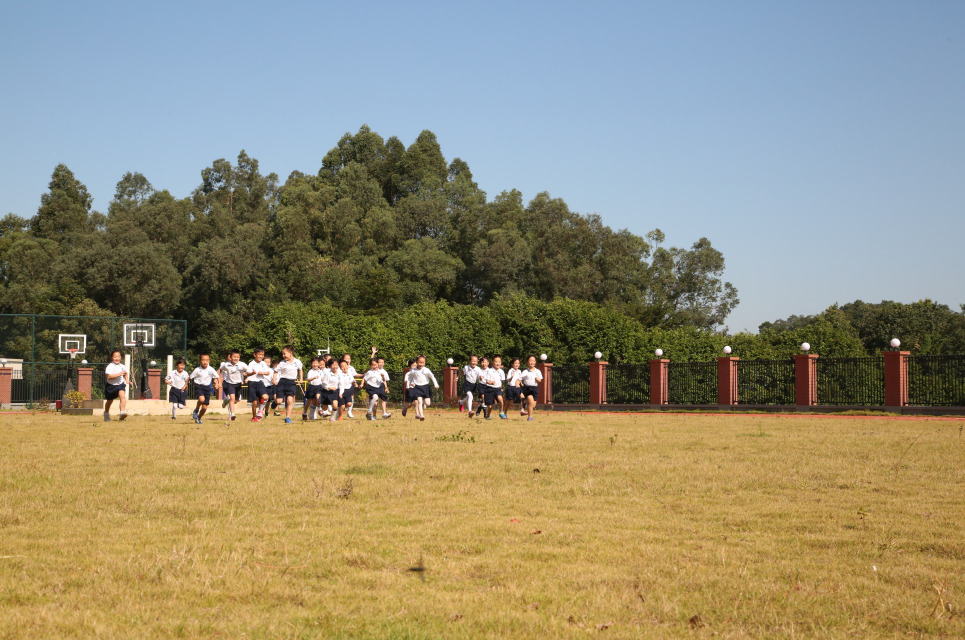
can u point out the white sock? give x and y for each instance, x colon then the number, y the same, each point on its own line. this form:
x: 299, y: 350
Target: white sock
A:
x: 469, y: 401
x: 311, y: 412
x: 374, y: 400
x: 420, y: 403
x: 174, y: 411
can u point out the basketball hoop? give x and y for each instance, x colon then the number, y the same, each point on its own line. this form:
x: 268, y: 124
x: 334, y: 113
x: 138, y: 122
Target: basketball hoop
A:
x: 73, y: 353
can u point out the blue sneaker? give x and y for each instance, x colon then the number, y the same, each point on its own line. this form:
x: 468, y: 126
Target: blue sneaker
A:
x: 502, y: 416
x: 288, y: 420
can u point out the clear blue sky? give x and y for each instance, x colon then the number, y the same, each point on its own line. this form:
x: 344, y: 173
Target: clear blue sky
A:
x: 819, y: 145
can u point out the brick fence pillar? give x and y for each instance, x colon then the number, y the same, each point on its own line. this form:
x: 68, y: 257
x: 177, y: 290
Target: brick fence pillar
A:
x: 450, y: 385
x: 6, y: 385
x: 805, y: 380
x: 154, y: 383
x: 727, y: 380
x: 545, y: 389
x: 896, y: 378
x: 598, y: 382
x: 85, y: 381
x: 659, y: 390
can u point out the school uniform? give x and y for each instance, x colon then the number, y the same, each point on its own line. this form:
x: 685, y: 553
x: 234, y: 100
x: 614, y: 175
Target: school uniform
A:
x: 314, y: 388
x: 513, y: 393
x: 384, y: 373
x: 491, y: 386
x: 374, y: 382
x: 287, y: 377
x: 178, y: 387
x: 203, y: 378
x: 407, y: 386
x: 346, y: 386
x: 330, y: 390
x: 470, y: 380
x: 419, y: 380
x: 530, y: 381
x: 259, y: 371
x: 114, y: 380
x: 233, y: 378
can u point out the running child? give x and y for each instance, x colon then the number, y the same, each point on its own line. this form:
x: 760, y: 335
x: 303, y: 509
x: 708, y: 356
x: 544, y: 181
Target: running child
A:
x: 270, y: 386
x: 256, y: 375
x: 205, y: 377
x: 287, y: 372
x: 407, y: 387
x: 470, y: 378
x: 117, y: 379
x: 512, y: 387
x: 346, y: 386
x: 385, y: 380
x: 497, y: 364
x: 313, y: 391
x: 419, y: 379
x: 177, y: 382
x: 330, y: 382
x: 529, y: 380
x: 232, y: 380
x: 491, y: 388
x: 374, y: 384
x: 347, y: 358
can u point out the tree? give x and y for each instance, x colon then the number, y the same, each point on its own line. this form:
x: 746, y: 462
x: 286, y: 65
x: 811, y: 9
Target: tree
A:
x: 64, y: 211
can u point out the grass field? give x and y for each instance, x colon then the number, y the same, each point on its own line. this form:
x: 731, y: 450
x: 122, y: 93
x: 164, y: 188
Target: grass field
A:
x: 571, y: 526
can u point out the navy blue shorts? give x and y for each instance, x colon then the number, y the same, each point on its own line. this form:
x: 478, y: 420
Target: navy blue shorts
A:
x: 313, y: 391
x: 531, y: 391
x: 230, y: 388
x: 512, y: 393
x: 490, y: 394
x: 205, y: 391
x: 329, y: 396
x: 285, y: 388
x: 178, y: 396
x: 348, y: 395
x: 378, y: 392
x: 256, y: 390
x: 420, y: 391
x: 111, y: 390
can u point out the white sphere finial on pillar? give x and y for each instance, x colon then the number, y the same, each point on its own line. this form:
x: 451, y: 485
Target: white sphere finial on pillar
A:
x: 597, y: 355
x: 450, y: 361
x: 83, y: 362
x: 658, y: 352
x: 895, y: 343
x: 542, y: 357
x: 727, y: 351
x: 805, y: 347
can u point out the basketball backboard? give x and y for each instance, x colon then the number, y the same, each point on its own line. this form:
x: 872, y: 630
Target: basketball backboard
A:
x: 138, y: 335
x: 68, y: 343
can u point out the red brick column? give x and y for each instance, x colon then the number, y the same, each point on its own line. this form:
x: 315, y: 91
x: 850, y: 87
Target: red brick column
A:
x: 727, y: 380
x: 450, y: 385
x: 805, y: 380
x: 6, y: 385
x: 154, y: 383
x: 598, y: 382
x: 545, y: 389
x: 659, y: 393
x: 896, y: 378
x: 85, y: 381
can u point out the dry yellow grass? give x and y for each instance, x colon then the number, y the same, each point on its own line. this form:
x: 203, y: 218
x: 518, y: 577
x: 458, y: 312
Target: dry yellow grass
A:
x: 633, y: 526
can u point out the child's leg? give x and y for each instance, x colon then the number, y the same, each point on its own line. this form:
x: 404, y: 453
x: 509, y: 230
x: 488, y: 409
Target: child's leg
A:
x: 289, y: 404
x: 373, y: 402
x: 530, y: 405
x: 335, y: 410
x: 261, y: 405
x: 107, y: 405
x: 174, y: 409
x: 203, y: 409
x: 122, y: 399
x: 232, y: 400
x: 468, y: 402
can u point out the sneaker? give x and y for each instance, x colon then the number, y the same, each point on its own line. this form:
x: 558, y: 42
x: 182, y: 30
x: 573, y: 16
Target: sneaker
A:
x: 261, y: 413
x: 471, y: 414
x: 488, y: 418
x: 326, y: 413
x: 194, y: 415
x: 368, y: 416
x: 180, y: 406
x: 462, y: 407
x: 107, y: 417
x: 233, y: 416
x: 530, y: 419
x: 331, y: 419
x: 350, y: 414
x: 341, y: 418
x: 503, y: 416
x: 404, y: 409
x: 288, y: 420
x: 123, y: 415
x: 304, y: 417
x: 386, y: 416
x: 423, y: 418
x: 255, y: 419
x: 224, y: 403
x: 522, y: 412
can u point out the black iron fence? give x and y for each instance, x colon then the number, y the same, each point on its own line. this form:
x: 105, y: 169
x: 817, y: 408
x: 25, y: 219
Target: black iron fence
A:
x: 571, y: 384
x: 765, y: 381
x: 936, y: 381
x: 851, y: 381
x: 627, y: 383
x: 692, y: 383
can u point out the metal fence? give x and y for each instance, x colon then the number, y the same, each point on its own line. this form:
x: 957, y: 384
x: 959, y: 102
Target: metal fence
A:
x: 692, y: 383
x: 851, y: 381
x: 571, y: 384
x: 936, y: 381
x: 627, y: 383
x: 765, y: 381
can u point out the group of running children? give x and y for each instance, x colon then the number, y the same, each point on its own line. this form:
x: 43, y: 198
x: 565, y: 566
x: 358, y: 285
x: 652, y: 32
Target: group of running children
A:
x: 330, y: 385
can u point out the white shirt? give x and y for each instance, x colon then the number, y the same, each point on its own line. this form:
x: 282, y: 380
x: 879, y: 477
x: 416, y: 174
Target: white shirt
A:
x: 314, y: 376
x: 288, y: 370
x: 345, y: 380
x: 260, y: 370
x: 330, y: 380
x: 204, y: 376
x: 115, y: 373
x: 177, y: 380
x: 530, y: 378
x: 270, y: 380
x: 234, y: 373
x: 490, y: 377
x: 513, y: 376
x: 471, y: 374
x: 420, y: 377
x: 352, y: 372
x: 373, y: 378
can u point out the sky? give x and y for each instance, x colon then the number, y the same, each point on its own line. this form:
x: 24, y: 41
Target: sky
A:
x: 820, y: 146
